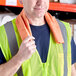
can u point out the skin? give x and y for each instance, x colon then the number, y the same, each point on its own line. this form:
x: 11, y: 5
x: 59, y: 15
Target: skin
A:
x: 73, y: 70
x: 34, y: 10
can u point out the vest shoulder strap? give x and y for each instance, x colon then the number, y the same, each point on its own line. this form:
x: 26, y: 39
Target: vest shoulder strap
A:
x: 12, y: 42
x: 64, y: 34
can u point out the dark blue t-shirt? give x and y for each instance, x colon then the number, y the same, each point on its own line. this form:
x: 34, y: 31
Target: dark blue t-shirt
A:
x: 73, y: 51
x: 42, y: 37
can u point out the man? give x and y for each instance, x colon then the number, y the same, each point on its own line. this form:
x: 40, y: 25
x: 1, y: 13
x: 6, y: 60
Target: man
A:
x: 35, y: 26
x: 73, y: 50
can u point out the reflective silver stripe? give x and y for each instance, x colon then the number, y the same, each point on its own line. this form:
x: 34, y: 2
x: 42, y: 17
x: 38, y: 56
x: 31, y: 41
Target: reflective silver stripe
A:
x: 11, y: 38
x: 64, y: 33
x: 12, y: 42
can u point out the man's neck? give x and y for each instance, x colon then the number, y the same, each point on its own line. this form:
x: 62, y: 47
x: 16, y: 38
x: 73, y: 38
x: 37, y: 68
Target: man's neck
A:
x: 36, y: 21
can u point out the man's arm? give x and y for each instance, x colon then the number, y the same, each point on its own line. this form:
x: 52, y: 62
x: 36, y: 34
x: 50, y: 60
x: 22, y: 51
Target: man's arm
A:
x: 73, y: 70
x: 73, y: 53
x: 26, y: 50
x: 11, y: 67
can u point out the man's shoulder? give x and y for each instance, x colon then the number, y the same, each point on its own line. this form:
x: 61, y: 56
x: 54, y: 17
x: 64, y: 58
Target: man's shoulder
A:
x: 4, y: 18
x: 4, y: 24
x: 65, y: 26
x: 4, y: 27
x: 68, y: 28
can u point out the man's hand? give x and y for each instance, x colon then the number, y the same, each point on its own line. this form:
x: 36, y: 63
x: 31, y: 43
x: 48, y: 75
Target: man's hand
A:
x: 27, y: 48
x: 73, y: 70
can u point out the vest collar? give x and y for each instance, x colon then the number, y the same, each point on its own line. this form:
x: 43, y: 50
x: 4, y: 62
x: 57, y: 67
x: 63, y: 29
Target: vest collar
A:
x: 22, y: 24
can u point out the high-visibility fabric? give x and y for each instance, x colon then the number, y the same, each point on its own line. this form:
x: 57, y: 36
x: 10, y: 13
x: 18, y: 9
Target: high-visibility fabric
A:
x: 13, y: 44
x: 54, y: 65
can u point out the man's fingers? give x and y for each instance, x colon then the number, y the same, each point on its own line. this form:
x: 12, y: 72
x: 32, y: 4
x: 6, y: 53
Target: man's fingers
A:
x: 30, y: 43
x: 28, y: 39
